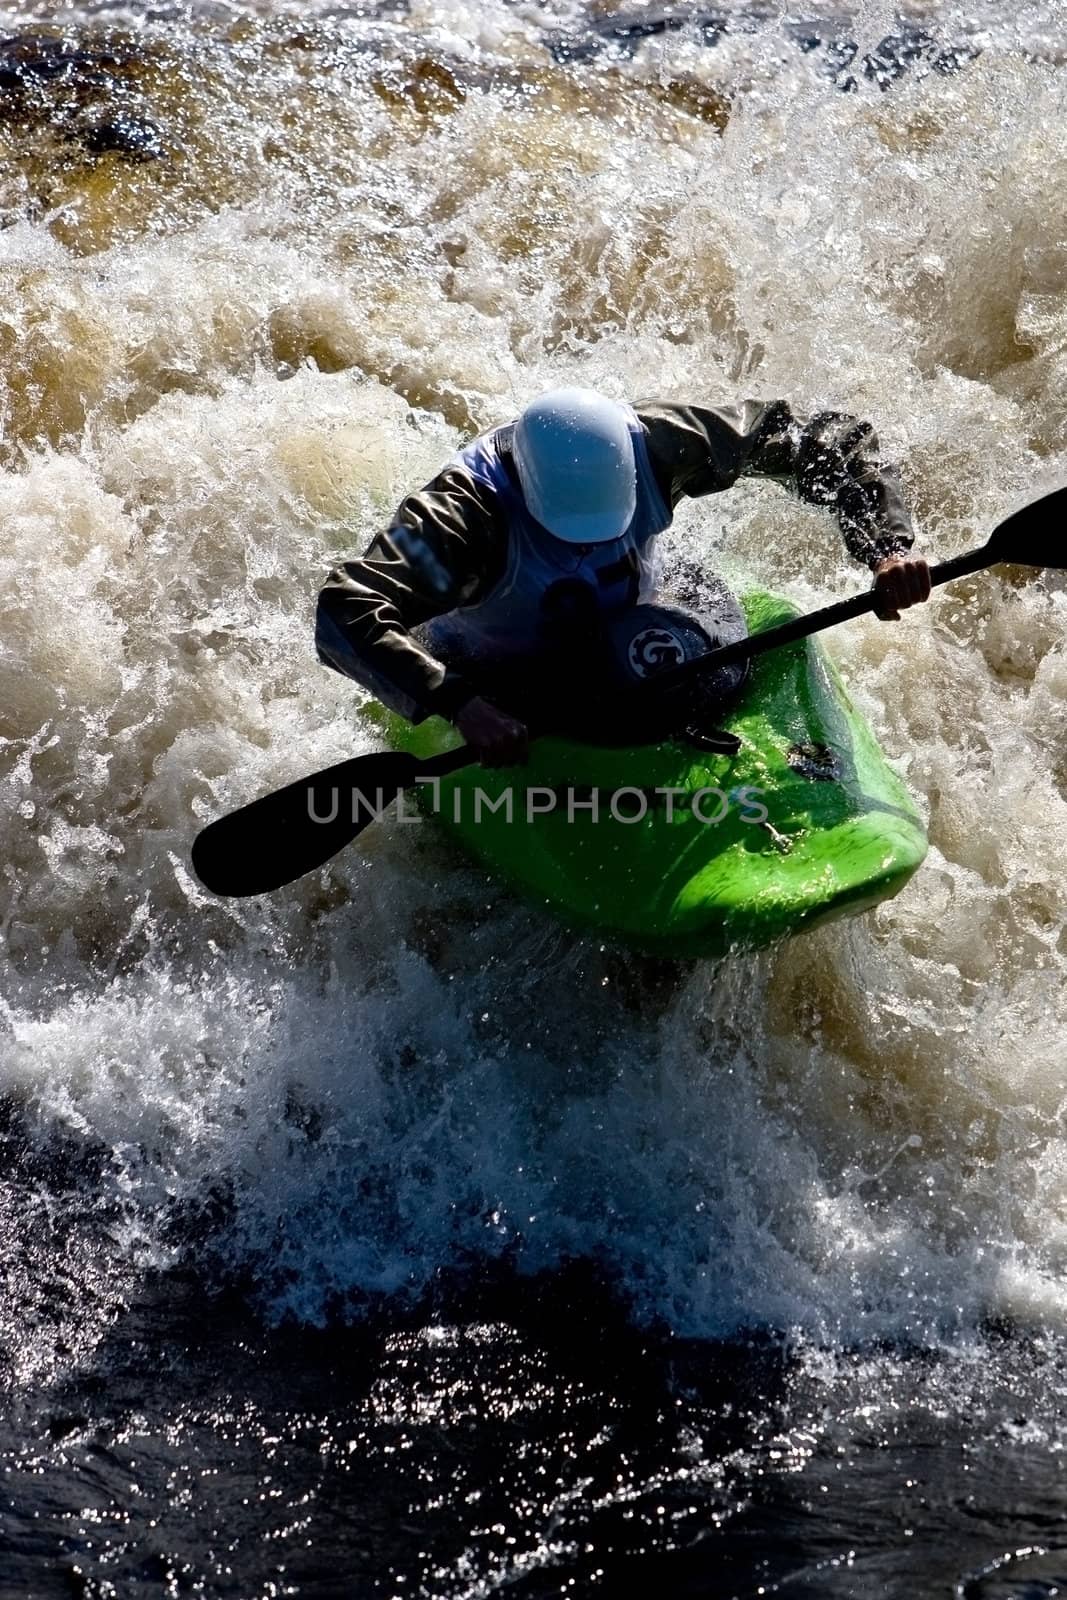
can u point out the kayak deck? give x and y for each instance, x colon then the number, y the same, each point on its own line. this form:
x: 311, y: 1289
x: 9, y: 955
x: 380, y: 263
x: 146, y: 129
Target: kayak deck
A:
x: 839, y: 832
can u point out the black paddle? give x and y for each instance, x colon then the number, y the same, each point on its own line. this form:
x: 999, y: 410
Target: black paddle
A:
x: 1035, y: 536
x: 279, y: 838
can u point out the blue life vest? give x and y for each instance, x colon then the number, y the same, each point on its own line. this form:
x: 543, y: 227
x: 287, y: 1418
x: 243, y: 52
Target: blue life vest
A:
x: 548, y: 584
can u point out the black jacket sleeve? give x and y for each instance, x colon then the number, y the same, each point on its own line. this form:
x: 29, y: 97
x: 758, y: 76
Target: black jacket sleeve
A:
x: 831, y: 460
x: 446, y: 545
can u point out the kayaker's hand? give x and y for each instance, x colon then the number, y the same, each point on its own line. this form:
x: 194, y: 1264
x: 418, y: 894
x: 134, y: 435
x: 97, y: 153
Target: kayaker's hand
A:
x: 900, y: 582
x: 496, y: 739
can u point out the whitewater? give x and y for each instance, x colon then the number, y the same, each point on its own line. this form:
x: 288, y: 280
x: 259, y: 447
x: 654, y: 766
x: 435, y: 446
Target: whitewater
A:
x: 389, y: 1135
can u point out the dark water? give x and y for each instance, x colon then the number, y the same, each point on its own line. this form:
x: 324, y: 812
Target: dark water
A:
x: 534, y: 1444
x: 508, y: 1433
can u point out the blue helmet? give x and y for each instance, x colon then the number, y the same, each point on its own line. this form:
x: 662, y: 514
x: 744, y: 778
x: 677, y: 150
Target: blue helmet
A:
x: 575, y: 460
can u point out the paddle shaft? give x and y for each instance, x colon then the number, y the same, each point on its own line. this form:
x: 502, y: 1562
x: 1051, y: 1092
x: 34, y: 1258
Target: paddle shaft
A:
x: 802, y: 627
x: 448, y: 761
x: 754, y: 645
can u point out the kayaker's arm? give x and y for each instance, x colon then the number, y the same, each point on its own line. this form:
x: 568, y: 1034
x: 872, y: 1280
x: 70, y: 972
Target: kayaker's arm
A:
x: 444, y: 545
x: 831, y: 460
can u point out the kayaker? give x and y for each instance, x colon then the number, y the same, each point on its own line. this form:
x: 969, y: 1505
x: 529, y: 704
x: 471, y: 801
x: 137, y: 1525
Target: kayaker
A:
x: 538, y: 529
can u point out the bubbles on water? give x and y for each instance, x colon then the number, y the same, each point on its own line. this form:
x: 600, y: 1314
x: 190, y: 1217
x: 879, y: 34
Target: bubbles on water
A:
x: 221, y: 369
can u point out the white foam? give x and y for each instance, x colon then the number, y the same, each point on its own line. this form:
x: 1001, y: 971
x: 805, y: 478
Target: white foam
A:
x: 860, y: 1134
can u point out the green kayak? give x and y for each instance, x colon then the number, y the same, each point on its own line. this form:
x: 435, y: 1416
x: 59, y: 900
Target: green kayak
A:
x: 673, y: 851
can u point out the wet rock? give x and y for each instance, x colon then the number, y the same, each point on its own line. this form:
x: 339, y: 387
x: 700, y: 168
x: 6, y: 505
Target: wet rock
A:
x: 912, y: 49
x: 645, y: 25
x: 39, y: 70
x: 837, y: 49
x: 566, y: 48
x: 897, y: 54
x: 133, y: 137
x: 86, y: 92
x: 625, y: 33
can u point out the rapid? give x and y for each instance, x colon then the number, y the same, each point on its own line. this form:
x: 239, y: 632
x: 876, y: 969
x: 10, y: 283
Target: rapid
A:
x: 381, y: 1236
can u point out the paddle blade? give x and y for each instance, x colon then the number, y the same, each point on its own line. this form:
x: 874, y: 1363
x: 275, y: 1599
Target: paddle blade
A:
x: 278, y: 838
x: 1035, y: 535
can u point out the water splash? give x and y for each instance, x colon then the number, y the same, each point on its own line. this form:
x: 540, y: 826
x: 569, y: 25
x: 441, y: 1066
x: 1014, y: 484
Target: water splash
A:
x: 222, y: 366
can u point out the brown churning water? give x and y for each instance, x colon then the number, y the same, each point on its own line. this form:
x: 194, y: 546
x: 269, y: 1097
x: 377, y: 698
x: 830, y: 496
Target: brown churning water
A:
x: 261, y: 269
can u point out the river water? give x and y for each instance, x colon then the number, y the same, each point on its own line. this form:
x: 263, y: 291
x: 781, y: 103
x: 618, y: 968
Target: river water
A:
x: 381, y: 1237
